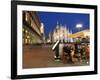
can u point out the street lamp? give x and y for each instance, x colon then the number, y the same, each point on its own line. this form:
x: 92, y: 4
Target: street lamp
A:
x: 79, y: 26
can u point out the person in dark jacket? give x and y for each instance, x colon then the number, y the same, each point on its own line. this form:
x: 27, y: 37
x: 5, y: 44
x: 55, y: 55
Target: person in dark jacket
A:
x: 67, y: 50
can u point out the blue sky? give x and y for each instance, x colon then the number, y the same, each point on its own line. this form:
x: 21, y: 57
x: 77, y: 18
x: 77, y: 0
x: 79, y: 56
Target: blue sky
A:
x: 50, y: 20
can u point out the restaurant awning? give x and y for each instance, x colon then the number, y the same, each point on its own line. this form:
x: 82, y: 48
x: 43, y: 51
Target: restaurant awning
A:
x: 79, y: 34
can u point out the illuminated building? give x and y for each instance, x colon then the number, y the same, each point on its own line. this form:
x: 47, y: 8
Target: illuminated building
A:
x: 61, y: 33
x: 42, y: 32
x: 31, y: 28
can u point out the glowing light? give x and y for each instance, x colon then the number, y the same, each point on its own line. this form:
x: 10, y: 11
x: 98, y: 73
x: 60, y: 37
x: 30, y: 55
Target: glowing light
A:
x: 79, y: 25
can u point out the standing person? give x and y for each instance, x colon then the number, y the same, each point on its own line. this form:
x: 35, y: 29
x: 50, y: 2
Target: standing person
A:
x: 76, y: 48
x: 72, y: 53
x: 65, y: 54
x: 78, y: 52
x: 83, y: 53
x: 87, y: 52
x: 69, y: 53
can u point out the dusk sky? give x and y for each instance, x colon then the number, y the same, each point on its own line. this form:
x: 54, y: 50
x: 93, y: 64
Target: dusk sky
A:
x: 50, y: 19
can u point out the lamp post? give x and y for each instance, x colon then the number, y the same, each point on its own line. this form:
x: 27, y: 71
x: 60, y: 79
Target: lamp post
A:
x: 79, y: 26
